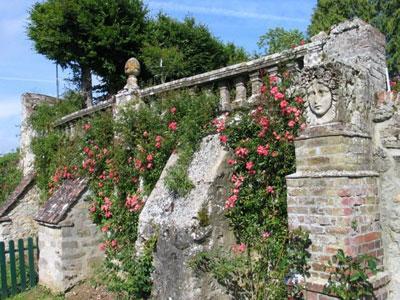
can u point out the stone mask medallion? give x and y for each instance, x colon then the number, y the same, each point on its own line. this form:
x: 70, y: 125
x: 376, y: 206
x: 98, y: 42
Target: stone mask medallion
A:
x: 320, y: 103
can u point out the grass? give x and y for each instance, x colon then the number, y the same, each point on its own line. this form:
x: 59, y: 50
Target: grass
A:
x: 37, y: 293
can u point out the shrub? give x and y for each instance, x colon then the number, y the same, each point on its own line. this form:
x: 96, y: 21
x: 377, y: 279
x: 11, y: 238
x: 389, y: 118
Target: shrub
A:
x: 10, y: 174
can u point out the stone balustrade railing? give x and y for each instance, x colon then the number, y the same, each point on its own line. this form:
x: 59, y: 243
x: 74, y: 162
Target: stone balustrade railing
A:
x: 235, y: 77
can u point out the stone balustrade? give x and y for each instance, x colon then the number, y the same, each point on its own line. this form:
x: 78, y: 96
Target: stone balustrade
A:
x: 242, y: 80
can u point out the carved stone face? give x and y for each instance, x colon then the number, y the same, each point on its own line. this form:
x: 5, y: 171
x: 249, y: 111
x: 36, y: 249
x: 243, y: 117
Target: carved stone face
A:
x: 319, y: 98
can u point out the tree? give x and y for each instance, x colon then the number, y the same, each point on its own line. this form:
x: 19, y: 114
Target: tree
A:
x: 387, y: 20
x: 89, y: 36
x: 384, y: 14
x: 186, y: 48
x: 278, y: 39
x: 331, y: 12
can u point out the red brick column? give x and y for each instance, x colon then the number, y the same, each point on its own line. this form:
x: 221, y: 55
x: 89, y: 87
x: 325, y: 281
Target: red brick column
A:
x: 334, y: 196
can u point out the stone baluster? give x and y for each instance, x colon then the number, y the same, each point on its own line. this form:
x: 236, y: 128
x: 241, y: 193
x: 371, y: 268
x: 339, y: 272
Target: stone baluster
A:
x: 73, y: 130
x: 224, y: 100
x: 240, y: 87
x: 256, y: 83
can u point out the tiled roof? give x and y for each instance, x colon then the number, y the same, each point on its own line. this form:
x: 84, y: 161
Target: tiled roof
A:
x: 56, y: 208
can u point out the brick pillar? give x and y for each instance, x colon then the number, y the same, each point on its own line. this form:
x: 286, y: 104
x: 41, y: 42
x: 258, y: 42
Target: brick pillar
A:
x: 334, y: 196
x: 334, y: 193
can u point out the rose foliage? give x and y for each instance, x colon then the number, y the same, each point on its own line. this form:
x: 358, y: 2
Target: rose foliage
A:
x: 123, y: 171
x: 268, y: 261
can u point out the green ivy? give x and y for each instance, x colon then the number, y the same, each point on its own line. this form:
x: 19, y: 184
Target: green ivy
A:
x: 10, y: 174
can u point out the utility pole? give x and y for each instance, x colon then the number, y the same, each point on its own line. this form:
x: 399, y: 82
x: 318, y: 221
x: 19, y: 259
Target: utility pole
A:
x: 57, y: 84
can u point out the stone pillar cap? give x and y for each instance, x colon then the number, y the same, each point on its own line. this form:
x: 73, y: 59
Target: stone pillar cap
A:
x: 132, y: 67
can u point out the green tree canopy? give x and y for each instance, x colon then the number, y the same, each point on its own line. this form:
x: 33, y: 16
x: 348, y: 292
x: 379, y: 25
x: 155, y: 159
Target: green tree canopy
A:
x: 89, y: 35
x: 387, y: 20
x: 278, y: 39
x: 186, y: 48
x: 331, y: 12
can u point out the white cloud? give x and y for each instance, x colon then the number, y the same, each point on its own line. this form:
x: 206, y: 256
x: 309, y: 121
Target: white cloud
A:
x: 9, y: 108
x: 222, y: 12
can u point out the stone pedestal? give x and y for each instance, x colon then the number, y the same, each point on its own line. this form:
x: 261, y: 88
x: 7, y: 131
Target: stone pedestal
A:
x: 335, y: 193
x: 334, y: 196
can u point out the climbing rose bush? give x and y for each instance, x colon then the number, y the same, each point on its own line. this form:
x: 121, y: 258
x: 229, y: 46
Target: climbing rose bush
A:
x: 260, y: 142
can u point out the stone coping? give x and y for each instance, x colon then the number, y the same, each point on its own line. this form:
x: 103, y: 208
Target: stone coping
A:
x: 85, y: 112
x: 56, y: 208
x: 333, y: 173
x: 234, y: 70
x: 333, y: 129
x: 25, y: 184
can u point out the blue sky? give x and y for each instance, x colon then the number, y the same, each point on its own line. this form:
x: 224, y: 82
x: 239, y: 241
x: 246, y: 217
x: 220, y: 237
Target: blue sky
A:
x: 22, y: 70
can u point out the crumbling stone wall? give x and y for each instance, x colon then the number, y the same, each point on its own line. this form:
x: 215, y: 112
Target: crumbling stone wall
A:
x: 28, y: 102
x: 179, y: 230
x: 335, y: 193
x: 346, y: 190
x: 16, y: 214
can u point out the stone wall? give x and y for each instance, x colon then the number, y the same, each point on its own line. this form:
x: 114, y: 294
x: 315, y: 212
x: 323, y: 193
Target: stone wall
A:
x: 345, y: 191
x: 180, y: 233
x: 386, y: 159
x: 28, y: 102
x: 69, y: 249
x: 16, y: 214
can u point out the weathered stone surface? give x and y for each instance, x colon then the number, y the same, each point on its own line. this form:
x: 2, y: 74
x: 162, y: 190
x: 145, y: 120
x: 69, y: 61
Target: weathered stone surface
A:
x: 335, y: 192
x: 68, y: 239
x: 390, y: 134
x: 175, y: 221
x: 386, y: 139
x: 28, y: 102
x: 17, y: 213
x: 335, y: 92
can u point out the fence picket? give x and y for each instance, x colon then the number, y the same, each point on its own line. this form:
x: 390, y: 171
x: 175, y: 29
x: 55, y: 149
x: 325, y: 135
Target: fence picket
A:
x: 13, y: 271
x: 32, y: 273
x: 21, y: 257
x: 3, y: 272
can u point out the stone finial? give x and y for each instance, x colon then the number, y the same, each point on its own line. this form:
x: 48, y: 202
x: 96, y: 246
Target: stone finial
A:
x: 132, y: 70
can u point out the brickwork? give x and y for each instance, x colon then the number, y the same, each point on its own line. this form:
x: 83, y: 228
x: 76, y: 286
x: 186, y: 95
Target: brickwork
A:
x: 339, y: 213
x: 335, y: 192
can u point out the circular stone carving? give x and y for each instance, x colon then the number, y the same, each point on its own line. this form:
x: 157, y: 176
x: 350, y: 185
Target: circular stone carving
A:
x: 132, y: 67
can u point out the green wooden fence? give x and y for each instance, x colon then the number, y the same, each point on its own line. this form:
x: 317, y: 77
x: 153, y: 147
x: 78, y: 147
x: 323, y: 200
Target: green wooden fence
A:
x: 17, y: 273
